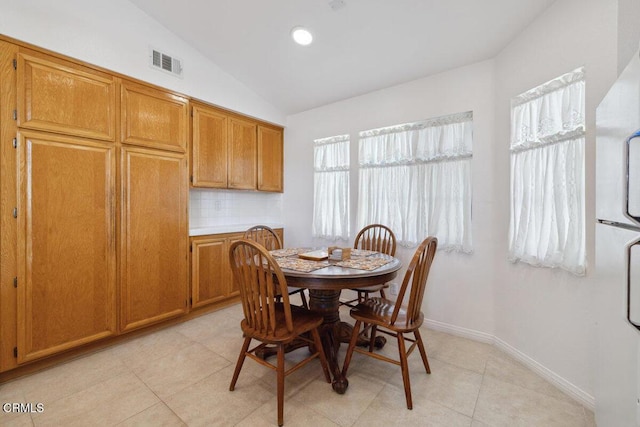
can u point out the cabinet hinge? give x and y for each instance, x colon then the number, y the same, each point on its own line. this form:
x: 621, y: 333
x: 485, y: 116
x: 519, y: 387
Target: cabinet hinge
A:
x: 15, y: 352
x: 191, y: 248
x: 191, y: 301
x: 15, y: 64
x: 15, y: 282
x: 15, y: 212
x: 15, y: 142
x: 191, y: 179
x: 15, y: 114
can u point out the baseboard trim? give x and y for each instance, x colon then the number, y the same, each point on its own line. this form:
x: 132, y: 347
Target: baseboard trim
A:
x: 569, y: 388
x: 460, y: 331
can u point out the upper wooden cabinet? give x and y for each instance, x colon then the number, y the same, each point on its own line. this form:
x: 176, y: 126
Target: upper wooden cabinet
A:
x: 270, y: 159
x: 209, y: 145
x: 236, y: 152
x: 154, y: 118
x: 63, y: 97
x: 242, y: 154
x: 66, y: 251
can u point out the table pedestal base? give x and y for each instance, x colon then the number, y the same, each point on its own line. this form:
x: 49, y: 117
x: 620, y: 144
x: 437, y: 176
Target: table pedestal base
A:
x: 332, y: 333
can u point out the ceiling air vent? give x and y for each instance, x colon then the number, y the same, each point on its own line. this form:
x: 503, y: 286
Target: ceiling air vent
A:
x: 165, y: 62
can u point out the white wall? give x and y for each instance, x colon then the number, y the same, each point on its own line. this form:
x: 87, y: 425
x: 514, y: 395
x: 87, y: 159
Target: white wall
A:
x: 546, y: 314
x: 116, y: 35
x: 460, y: 290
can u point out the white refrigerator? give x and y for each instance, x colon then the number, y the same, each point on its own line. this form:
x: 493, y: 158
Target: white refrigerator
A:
x: 617, y: 292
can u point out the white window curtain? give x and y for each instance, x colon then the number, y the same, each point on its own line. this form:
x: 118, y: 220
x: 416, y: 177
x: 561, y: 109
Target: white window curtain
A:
x: 416, y: 179
x: 547, y: 226
x: 331, y: 188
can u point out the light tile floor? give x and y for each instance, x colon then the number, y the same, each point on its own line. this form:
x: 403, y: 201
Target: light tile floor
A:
x: 180, y: 376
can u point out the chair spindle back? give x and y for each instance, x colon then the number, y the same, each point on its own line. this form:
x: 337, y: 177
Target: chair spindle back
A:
x: 416, y: 275
x: 376, y: 237
x: 259, y: 277
x: 265, y: 236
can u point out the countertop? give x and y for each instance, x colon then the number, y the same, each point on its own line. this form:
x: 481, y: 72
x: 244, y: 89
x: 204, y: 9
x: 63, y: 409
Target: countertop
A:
x: 228, y: 228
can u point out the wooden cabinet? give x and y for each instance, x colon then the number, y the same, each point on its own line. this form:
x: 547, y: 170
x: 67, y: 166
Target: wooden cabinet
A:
x: 242, y: 154
x: 231, y: 151
x: 63, y: 97
x: 210, y: 272
x: 209, y: 147
x: 154, y: 275
x: 270, y: 159
x: 94, y: 202
x: 154, y: 118
x: 66, y: 250
x: 211, y: 275
x: 154, y: 188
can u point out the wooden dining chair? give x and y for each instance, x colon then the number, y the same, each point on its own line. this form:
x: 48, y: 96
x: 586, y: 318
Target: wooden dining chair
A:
x: 270, y: 322
x: 393, y: 318
x: 269, y: 239
x: 379, y: 238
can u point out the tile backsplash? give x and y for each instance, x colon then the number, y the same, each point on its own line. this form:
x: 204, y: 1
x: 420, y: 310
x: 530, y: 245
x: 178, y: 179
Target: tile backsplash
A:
x: 211, y: 208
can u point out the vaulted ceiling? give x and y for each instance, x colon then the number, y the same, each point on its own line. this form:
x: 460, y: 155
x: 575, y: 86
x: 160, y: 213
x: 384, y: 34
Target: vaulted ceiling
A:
x: 359, y: 45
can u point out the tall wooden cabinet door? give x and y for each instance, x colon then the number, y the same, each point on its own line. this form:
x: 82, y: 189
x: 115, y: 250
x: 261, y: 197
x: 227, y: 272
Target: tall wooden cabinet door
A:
x: 270, y: 159
x: 66, y: 243
x: 209, y: 148
x: 242, y: 154
x: 154, y: 118
x: 63, y: 97
x: 209, y: 270
x: 153, y: 260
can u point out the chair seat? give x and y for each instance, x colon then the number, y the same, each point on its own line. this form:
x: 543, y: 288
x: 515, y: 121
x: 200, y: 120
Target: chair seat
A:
x: 303, y: 321
x: 379, y: 311
x: 372, y: 288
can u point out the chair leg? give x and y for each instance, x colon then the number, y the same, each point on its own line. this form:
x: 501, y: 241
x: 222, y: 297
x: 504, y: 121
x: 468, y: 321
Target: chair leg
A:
x: 352, y: 346
x: 241, y: 357
x: 321, y: 355
x: 423, y: 352
x: 405, y: 370
x: 304, y: 300
x: 280, y: 375
x: 372, y: 338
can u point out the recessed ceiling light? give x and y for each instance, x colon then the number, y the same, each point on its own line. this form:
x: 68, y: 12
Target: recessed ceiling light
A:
x: 302, y: 36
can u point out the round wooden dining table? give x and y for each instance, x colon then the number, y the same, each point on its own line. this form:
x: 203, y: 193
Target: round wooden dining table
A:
x: 325, y: 285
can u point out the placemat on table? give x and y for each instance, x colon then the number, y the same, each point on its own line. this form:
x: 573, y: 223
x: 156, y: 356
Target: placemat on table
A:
x: 298, y: 264
x: 281, y: 253
x: 367, y: 263
x: 361, y: 253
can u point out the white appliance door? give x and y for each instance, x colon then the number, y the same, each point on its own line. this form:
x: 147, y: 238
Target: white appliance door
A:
x: 617, y: 365
x: 618, y: 155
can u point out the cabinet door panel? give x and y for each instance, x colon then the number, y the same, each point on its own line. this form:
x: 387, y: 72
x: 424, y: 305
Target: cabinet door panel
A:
x: 209, y: 270
x: 63, y: 97
x: 209, y: 147
x: 66, y: 253
x: 154, y: 118
x: 242, y: 154
x: 270, y: 159
x: 155, y: 236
